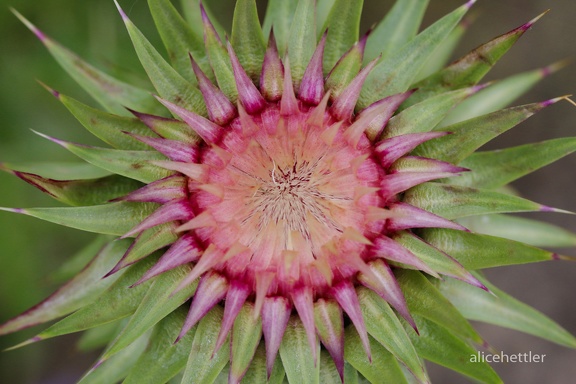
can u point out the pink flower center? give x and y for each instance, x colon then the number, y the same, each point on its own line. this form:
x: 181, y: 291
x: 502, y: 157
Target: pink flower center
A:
x: 287, y: 198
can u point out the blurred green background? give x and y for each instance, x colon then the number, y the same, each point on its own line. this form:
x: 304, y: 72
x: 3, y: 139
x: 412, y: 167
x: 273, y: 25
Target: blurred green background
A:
x: 30, y: 249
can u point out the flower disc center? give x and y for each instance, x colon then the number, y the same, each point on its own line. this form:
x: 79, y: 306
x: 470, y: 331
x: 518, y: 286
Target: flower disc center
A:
x: 288, y: 197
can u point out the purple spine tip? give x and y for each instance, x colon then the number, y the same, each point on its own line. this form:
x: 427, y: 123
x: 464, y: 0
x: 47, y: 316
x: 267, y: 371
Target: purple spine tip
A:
x: 479, y: 87
x: 124, y: 16
x: 470, y: 3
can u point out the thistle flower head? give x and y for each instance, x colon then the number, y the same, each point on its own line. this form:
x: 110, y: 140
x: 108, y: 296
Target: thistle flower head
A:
x: 301, y: 192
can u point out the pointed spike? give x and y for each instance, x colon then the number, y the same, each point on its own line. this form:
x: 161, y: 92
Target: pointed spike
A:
x: 248, y: 94
x: 185, y: 250
x: 210, y: 258
x: 39, y: 34
x: 303, y: 301
x: 211, y: 290
x: 121, y: 11
x: 330, y: 133
x: 343, y: 106
x: 384, y: 283
x: 380, y: 113
x: 168, y: 128
x: 249, y: 126
x: 312, y: 85
x: 275, y: 315
x: 529, y: 24
x: 345, y: 295
x: 263, y: 282
x: 272, y: 75
x: 173, y: 149
x: 404, y: 216
x: 235, y: 298
x: 205, y: 219
x: 330, y: 326
x: 52, y: 91
x: 316, y: 118
x: 388, y: 249
x: 353, y: 234
x: 210, y: 132
x: 547, y: 103
x: 198, y: 172
x: 220, y: 109
x: 289, y: 103
x: 393, y: 184
x: 207, y: 23
x: 390, y: 150
x: 172, y: 211
x: 160, y: 191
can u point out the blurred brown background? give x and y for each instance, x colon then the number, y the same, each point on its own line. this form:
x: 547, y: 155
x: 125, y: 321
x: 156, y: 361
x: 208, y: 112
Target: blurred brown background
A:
x: 31, y: 249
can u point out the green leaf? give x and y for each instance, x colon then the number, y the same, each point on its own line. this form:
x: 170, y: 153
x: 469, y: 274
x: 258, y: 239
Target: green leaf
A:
x: 201, y: 366
x: 108, y: 127
x: 172, y: 129
x: 342, y: 31
x: 434, y: 258
x: 532, y: 232
x: 82, y: 192
x: 444, y: 52
x: 119, y: 300
x: 476, y: 251
x: 159, y: 301
x: 169, y: 83
x: 302, y: 39
x: 426, y: 115
x: 117, y: 368
x: 503, y: 310
x: 97, y: 338
x: 257, y: 370
x: 350, y: 374
x: 395, y: 73
x: 498, y: 95
x: 384, y: 366
x: 109, y: 219
x: 149, y: 241
x: 493, y: 169
x: 470, y: 135
x: 163, y: 359
x: 58, y: 170
x: 470, y: 69
x: 398, y: 27
x: 82, y: 289
x: 133, y: 164
x: 296, y: 355
x: 328, y: 372
x: 383, y: 325
x: 280, y: 14
x: 113, y: 94
x: 246, y: 335
x: 323, y: 8
x: 452, y: 202
x: 344, y: 72
x: 220, y: 63
x: 438, y: 345
x: 425, y: 300
x: 179, y: 39
x: 247, y: 38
